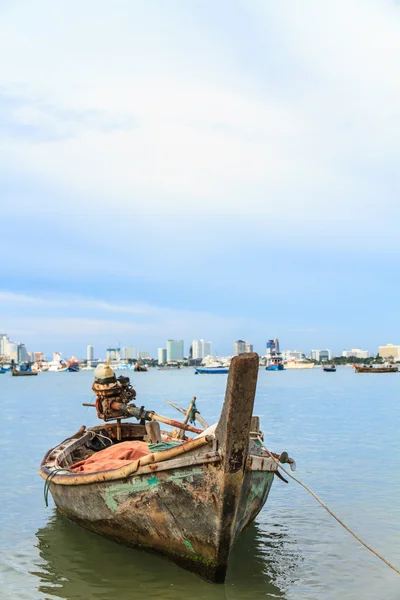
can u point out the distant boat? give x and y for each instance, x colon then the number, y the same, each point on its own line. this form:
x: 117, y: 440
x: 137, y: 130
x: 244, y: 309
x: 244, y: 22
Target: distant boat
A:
x: 139, y: 367
x: 18, y: 373
x: 211, y: 369
x: 371, y: 369
x: 329, y: 368
x: 58, y: 364
x: 299, y: 364
x: 73, y: 365
x: 275, y: 366
x: 3, y: 370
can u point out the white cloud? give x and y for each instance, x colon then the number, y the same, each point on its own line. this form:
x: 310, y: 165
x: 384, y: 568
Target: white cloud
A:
x: 141, y: 112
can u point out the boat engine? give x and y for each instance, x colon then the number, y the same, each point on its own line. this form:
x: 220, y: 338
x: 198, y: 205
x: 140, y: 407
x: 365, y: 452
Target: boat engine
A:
x: 113, y: 395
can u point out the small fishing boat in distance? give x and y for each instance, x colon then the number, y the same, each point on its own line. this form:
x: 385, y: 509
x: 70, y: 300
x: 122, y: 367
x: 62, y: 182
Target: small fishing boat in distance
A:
x: 371, y: 369
x: 211, y: 369
x: 139, y: 367
x: 187, y: 499
x: 274, y: 366
x: 18, y: 373
x: 329, y: 368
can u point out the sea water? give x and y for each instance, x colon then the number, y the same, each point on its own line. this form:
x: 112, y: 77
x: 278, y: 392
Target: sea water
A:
x: 342, y: 429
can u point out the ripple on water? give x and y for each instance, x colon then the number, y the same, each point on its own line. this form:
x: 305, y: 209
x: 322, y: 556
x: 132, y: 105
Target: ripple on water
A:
x: 342, y: 430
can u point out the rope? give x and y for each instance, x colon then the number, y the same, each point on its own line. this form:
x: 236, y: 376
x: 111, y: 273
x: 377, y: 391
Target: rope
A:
x: 100, y: 435
x: 48, y: 481
x: 331, y: 512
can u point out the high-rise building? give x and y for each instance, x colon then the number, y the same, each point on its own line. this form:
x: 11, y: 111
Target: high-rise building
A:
x: 356, y: 352
x: 249, y: 347
x: 239, y: 347
x: 200, y: 348
x: 162, y: 356
x: 206, y: 348
x: 11, y: 349
x: 175, y: 350
x: 3, y: 341
x: 39, y: 357
x: 390, y: 350
x: 272, y: 347
x: 142, y: 354
x: 113, y: 353
x: 90, y: 353
x: 22, y: 354
x: 128, y: 353
x: 321, y: 355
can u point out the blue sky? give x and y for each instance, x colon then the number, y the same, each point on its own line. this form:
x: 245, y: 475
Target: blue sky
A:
x: 198, y: 169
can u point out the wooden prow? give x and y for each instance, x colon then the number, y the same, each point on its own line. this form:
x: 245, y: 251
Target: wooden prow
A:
x: 232, y: 434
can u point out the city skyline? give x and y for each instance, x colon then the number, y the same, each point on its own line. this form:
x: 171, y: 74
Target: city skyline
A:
x: 258, y: 179
x: 177, y: 350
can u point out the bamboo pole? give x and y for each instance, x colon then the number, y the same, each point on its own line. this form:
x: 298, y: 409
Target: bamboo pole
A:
x: 197, y: 415
x: 186, y: 419
x: 155, y: 417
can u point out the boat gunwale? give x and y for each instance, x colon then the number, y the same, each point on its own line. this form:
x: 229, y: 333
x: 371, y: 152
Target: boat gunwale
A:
x: 122, y: 472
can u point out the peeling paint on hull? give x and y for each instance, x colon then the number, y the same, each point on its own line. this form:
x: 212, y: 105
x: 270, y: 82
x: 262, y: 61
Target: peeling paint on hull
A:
x: 175, y: 514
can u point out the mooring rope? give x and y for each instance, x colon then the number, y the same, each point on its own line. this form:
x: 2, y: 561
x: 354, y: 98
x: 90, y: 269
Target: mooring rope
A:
x: 48, y: 481
x: 322, y: 503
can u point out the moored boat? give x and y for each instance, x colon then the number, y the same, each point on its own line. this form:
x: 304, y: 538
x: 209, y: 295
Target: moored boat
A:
x: 329, y: 368
x: 211, y: 369
x: 19, y: 373
x: 274, y: 366
x: 371, y: 369
x: 73, y: 365
x: 186, y: 499
x: 57, y: 365
x: 139, y: 367
x: 298, y: 364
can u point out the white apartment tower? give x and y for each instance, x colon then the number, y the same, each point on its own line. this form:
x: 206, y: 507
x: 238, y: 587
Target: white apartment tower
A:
x: 128, y: 352
x: 200, y: 348
x: 90, y: 353
x: 239, y: 347
x: 162, y: 356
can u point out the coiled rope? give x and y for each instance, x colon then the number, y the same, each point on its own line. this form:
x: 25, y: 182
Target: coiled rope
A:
x: 322, y: 503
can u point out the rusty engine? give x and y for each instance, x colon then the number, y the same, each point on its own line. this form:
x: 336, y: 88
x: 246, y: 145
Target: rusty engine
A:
x: 113, y: 395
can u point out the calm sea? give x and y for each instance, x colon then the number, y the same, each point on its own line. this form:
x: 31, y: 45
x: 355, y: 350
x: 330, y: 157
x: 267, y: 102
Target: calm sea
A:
x: 342, y: 429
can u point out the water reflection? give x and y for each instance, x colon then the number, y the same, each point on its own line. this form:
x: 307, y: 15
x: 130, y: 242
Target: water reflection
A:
x: 78, y: 565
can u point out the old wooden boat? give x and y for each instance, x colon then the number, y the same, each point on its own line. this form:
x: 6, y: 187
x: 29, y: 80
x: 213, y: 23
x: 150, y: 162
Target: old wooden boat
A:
x: 18, y: 373
x: 188, y: 499
x: 371, y: 369
x: 139, y: 367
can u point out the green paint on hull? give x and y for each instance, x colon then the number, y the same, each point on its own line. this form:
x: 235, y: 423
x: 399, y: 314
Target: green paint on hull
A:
x: 189, y: 545
x: 114, y: 495
x: 121, y: 490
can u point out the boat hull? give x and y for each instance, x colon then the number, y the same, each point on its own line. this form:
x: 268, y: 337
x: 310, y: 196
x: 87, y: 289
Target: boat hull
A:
x: 188, y: 503
x: 205, y: 370
x: 176, y: 514
x: 375, y: 370
x: 23, y: 373
x: 298, y: 365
